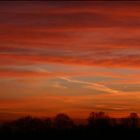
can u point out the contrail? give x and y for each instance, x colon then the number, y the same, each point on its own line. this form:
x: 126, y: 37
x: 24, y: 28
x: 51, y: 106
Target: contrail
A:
x: 91, y: 85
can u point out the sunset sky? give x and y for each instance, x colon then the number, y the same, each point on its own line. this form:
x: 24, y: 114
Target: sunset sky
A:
x: 69, y: 57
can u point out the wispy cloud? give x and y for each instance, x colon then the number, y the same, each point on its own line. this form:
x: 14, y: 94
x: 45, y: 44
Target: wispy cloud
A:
x: 74, y: 37
x: 91, y: 85
x: 77, y: 33
x: 58, y: 85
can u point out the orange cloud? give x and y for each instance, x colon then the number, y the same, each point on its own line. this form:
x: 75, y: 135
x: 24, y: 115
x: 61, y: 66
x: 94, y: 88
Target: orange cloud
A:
x: 115, y: 104
x: 132, y: 62
x: 84, y: 34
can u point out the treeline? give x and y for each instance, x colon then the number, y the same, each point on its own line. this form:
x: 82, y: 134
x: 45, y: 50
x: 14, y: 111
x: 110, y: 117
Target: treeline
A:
x: 98, y: 124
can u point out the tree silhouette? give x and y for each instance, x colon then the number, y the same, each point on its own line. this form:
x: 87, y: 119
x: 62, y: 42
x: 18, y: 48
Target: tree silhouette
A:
x: 47, y: 122
x: 62, y: 126
x: 26, y: 124
x: 134, y: 119
x: 63, y: 121
x: 98, y: 119
x: 92, y: 119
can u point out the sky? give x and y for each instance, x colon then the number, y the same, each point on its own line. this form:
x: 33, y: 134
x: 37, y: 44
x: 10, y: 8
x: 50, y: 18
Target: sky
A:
x: 69, y: 57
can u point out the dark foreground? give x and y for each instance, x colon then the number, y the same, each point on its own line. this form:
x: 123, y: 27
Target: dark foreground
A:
x: 99, y: 126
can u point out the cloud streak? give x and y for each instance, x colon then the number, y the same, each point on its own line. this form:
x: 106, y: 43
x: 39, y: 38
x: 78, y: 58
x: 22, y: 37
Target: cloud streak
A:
x: 88, y: 33
x: 53, y: 48
x: 90, y: 85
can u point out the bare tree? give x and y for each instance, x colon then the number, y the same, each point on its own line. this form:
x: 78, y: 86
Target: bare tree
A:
x: 134, y: 119
x: 63, y: 121
x: 98, y: 119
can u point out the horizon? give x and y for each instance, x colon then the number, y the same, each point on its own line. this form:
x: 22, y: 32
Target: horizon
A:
x: 77, y: 121
x: 70, y: 57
